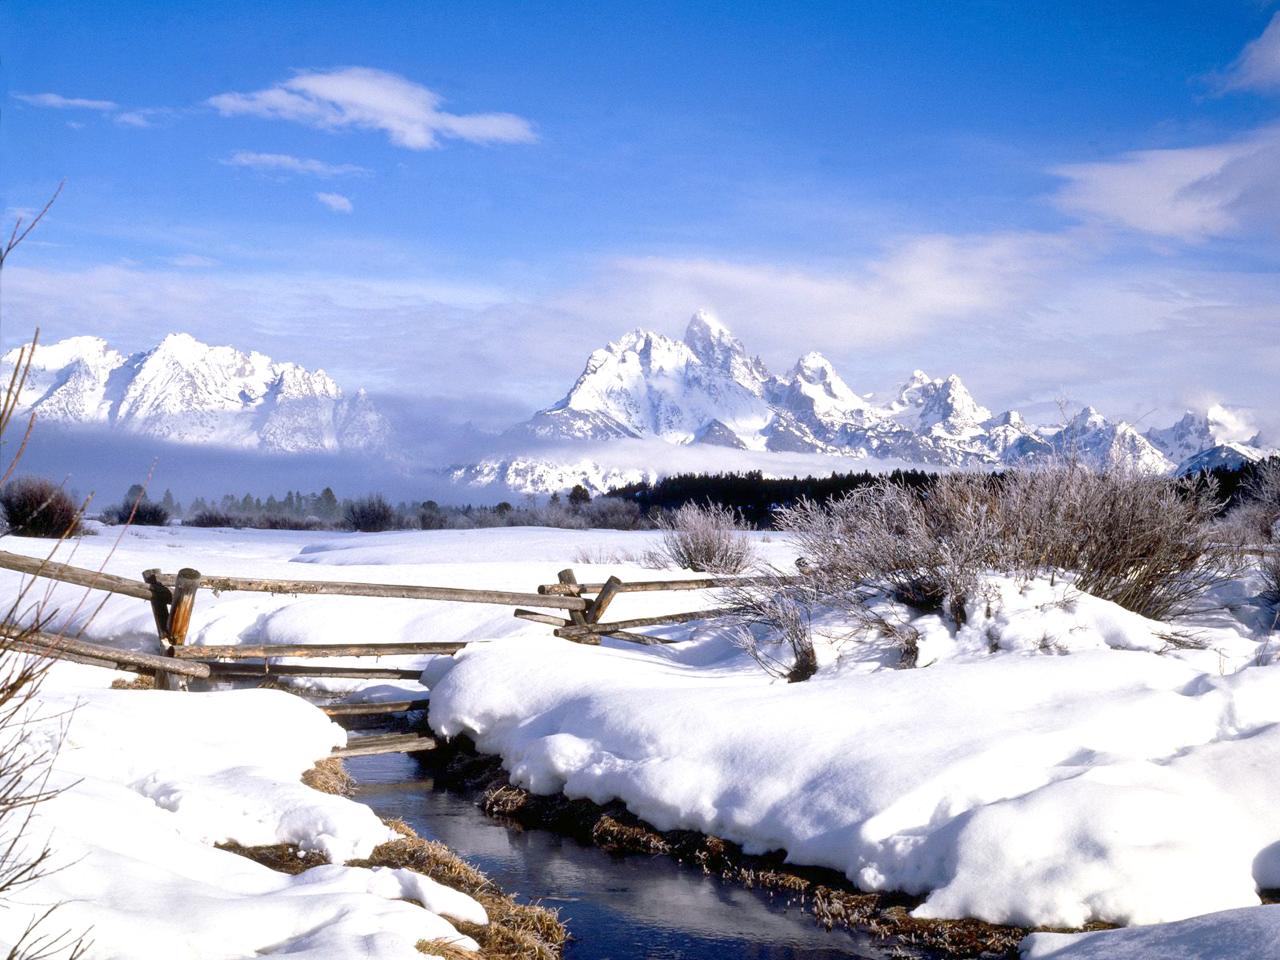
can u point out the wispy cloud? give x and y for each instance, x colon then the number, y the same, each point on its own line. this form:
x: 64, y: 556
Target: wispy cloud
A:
x: 285, y: 163
x: 1188, y: 193
x: 1258, y: 66
x: 56, y: 101
x: 363, y: 98
x: 143, y: 117
x: 914, y: 285
x: 192, y: 261
x: 336, y: 202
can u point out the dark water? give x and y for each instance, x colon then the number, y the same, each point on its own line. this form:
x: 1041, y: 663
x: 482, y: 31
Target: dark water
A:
x: 617, y: 908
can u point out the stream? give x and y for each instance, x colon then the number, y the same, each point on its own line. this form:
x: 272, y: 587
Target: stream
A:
x: 616, y: 908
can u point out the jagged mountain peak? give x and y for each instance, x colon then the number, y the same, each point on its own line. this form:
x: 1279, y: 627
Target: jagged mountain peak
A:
x: 183, y: 390
x: 1088, y: 419
x: 705, y: 329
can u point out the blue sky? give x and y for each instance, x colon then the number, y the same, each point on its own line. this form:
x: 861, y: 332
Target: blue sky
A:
x: 456, y: 202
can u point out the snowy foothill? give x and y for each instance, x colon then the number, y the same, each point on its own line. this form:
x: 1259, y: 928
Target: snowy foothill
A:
x: 1057, y: 760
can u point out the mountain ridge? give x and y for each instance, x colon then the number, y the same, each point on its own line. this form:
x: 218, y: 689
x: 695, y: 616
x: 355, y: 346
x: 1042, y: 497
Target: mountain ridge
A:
x: 184, y: 391
x: 706, y: 389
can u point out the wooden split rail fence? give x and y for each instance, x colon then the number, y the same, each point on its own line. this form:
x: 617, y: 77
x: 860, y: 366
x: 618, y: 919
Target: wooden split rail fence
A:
x: 578, y: 611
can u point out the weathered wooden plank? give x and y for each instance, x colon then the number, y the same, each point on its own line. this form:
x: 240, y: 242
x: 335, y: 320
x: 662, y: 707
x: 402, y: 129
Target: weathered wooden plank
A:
x: 545, y: 618
x: 53, y: 644
x: 218, y: 670
x: 570, y: 582
x: 265, y: 650
x: 586, y: 636
x: 612, y: 587
x: 184, y: 601
x: 651, y: 586
x: 665, y: 618
x: 391, y: 743
x: 161, y: 597
x: 404, y: 591
x: 79, y: 576
x: 371, y: 709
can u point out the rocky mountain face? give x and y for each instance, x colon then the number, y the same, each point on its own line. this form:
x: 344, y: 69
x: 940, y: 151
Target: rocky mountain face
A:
x: 187, y: 392
x: 707, y: 390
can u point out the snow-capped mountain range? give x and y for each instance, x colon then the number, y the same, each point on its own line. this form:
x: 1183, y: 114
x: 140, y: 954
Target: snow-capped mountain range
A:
x: 707, y: 390
x: 644, y: 406
x: 187, y: 392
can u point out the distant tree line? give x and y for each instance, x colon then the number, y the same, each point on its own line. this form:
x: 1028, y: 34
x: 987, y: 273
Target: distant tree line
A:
x: 757, y: 498
x: 753, y: 496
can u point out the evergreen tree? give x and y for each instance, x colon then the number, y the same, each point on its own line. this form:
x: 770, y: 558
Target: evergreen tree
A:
x: 327, y: 506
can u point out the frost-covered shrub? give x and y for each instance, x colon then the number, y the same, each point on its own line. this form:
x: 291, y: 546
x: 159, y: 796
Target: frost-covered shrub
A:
x: 147, y: 514
x: 370, y: 514
x: 783, y: 610
x: 211, y: 518
x: 1271, y: 577
x: 1143, y: 542
x: 924, y: 549
x: 610, y: 513
x: 138, y: 512
x: 35, y: 507
x: 1260, y: 510
x: 705, y: 539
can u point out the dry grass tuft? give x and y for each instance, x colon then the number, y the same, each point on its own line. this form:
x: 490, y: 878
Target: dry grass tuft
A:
x: 280, y: 857
x: 330, y: 776
x: 444, y: 949
x: 613, y: 835
x: 140, y: 682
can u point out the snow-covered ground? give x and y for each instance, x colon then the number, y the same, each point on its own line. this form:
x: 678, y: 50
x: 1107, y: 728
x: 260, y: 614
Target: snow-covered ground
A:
x: 1058, y: 760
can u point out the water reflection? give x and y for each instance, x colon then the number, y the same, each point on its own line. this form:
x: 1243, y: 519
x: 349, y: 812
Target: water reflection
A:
x: 618, y: 908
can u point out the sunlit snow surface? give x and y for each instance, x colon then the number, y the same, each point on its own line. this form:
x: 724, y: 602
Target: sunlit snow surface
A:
x: 1055, y: 761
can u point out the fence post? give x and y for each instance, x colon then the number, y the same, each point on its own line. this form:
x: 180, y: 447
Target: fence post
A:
x: 184, y: 601
x: 577, y: 617
x: 611, y: 588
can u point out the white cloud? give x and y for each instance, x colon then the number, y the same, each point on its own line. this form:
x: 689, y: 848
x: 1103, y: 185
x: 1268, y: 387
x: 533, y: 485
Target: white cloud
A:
x: 915, y: 285
x: 364, y: 98
x: 58, y: 102
x: 336, y: 202
x: 1258, y: 66
x: 1188, y: 193
x: 286, y: 163
x: 192, y: 261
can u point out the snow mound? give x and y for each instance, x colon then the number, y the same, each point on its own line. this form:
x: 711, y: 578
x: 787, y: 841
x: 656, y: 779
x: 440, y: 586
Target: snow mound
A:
x: 1048, y: 767
x: 1230, y: 935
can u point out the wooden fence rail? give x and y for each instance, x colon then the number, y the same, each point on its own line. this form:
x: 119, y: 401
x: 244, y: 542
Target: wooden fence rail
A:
x: 505, y: 598
x: 264, y: 651
x: 78, y: 576
x: 649, y: 586
x: 67, y: 648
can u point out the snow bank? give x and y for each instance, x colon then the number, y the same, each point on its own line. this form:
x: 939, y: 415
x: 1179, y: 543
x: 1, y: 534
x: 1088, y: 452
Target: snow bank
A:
x: 150, y: 780
x: 1230, y: 935
x: 1002, y: 782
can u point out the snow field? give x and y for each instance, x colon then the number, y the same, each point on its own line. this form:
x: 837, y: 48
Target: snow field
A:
x: 1055, y: 761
